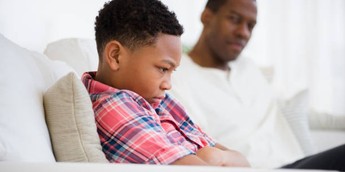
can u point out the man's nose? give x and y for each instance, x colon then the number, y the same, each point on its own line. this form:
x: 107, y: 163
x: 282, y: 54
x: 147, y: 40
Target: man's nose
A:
x: 243, y: 31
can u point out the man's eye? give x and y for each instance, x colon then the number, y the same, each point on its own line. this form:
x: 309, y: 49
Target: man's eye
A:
x: 234, y: 18
x: 251, y: 26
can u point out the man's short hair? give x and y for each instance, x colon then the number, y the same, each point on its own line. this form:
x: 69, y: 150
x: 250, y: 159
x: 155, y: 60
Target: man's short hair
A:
x: 214, y: 5
x: 134, y: 23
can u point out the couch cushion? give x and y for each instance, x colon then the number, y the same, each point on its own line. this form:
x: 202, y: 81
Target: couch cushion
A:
x: 25, y: 75
x: 71, y: 122
x: 80, y: 54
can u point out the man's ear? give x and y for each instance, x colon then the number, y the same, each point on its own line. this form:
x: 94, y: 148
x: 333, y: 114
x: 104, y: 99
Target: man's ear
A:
x: 112, y: 51
x: 206, y: 16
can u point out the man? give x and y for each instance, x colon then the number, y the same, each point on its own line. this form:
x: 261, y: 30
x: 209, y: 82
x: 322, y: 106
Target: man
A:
x: 227, y: 95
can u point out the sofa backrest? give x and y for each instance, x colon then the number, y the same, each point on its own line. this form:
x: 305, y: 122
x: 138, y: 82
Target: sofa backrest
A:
x: 80, y: 54
x: 36, y: 91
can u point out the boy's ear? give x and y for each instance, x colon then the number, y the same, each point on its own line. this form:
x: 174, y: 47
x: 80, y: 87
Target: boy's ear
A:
x: 206, y: 16
x: 112, y: 53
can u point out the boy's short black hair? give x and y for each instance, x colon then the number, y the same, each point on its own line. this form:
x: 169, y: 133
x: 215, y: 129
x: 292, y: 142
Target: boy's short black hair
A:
x: 134, y: 23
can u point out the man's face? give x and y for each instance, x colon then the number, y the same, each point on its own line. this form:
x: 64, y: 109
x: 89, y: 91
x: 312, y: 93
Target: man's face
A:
x: 147, y: 70
x: 230, y: 29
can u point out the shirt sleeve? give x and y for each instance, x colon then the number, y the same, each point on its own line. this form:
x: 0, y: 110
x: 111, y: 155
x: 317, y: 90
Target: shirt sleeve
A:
x: 130, y: 133
x: 194, y: 131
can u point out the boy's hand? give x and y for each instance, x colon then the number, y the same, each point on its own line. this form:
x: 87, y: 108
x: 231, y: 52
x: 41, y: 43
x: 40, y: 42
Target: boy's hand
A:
x: 235, y: 159
x: 220, y: 156
x: 211, y: 155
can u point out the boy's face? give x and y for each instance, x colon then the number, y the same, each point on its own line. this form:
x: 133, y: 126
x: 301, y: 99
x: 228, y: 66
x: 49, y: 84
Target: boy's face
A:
x: 147, y: 70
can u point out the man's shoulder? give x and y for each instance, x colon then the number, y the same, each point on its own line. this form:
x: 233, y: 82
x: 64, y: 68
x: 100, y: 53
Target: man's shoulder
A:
x: 244, y: 62
x: 243, y: 65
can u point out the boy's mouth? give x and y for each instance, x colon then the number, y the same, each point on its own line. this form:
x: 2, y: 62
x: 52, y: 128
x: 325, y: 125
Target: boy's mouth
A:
x: 155, y: 101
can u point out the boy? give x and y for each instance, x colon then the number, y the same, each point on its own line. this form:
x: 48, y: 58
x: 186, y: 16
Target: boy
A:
x: 138, y: 43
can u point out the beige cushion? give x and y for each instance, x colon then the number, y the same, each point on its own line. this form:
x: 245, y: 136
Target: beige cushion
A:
x: 71, y: 122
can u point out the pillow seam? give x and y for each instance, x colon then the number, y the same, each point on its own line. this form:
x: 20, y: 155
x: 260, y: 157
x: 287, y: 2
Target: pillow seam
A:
x: 76, y: 119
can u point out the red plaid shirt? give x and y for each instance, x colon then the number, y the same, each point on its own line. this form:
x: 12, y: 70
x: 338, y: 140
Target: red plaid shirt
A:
x: 131, y: 131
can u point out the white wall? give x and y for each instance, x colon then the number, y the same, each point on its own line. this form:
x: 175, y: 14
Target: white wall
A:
x: 34, y: 23
x: 188, y: 13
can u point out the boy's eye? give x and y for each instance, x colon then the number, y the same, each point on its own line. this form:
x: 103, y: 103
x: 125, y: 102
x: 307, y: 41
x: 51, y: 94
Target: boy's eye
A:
x: 163, y: 69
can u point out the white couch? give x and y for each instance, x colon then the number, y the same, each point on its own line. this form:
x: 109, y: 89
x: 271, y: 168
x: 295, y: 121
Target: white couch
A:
x: 46, y: 116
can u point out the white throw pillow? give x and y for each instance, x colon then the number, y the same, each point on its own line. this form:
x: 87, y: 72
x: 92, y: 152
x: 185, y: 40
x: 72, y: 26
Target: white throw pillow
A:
x: 71, y: 122
x: 80, y: 54
x: 296, y: 111
x: 25, y: 75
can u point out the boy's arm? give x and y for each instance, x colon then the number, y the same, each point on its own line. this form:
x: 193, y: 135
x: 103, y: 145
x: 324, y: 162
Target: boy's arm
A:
x: 190, y: 160
x: 222, y: 156
x: 214, y: 156
x: 232, y: 157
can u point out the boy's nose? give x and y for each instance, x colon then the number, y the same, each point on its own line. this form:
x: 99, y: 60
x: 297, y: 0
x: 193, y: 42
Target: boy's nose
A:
x: 166, y: 85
